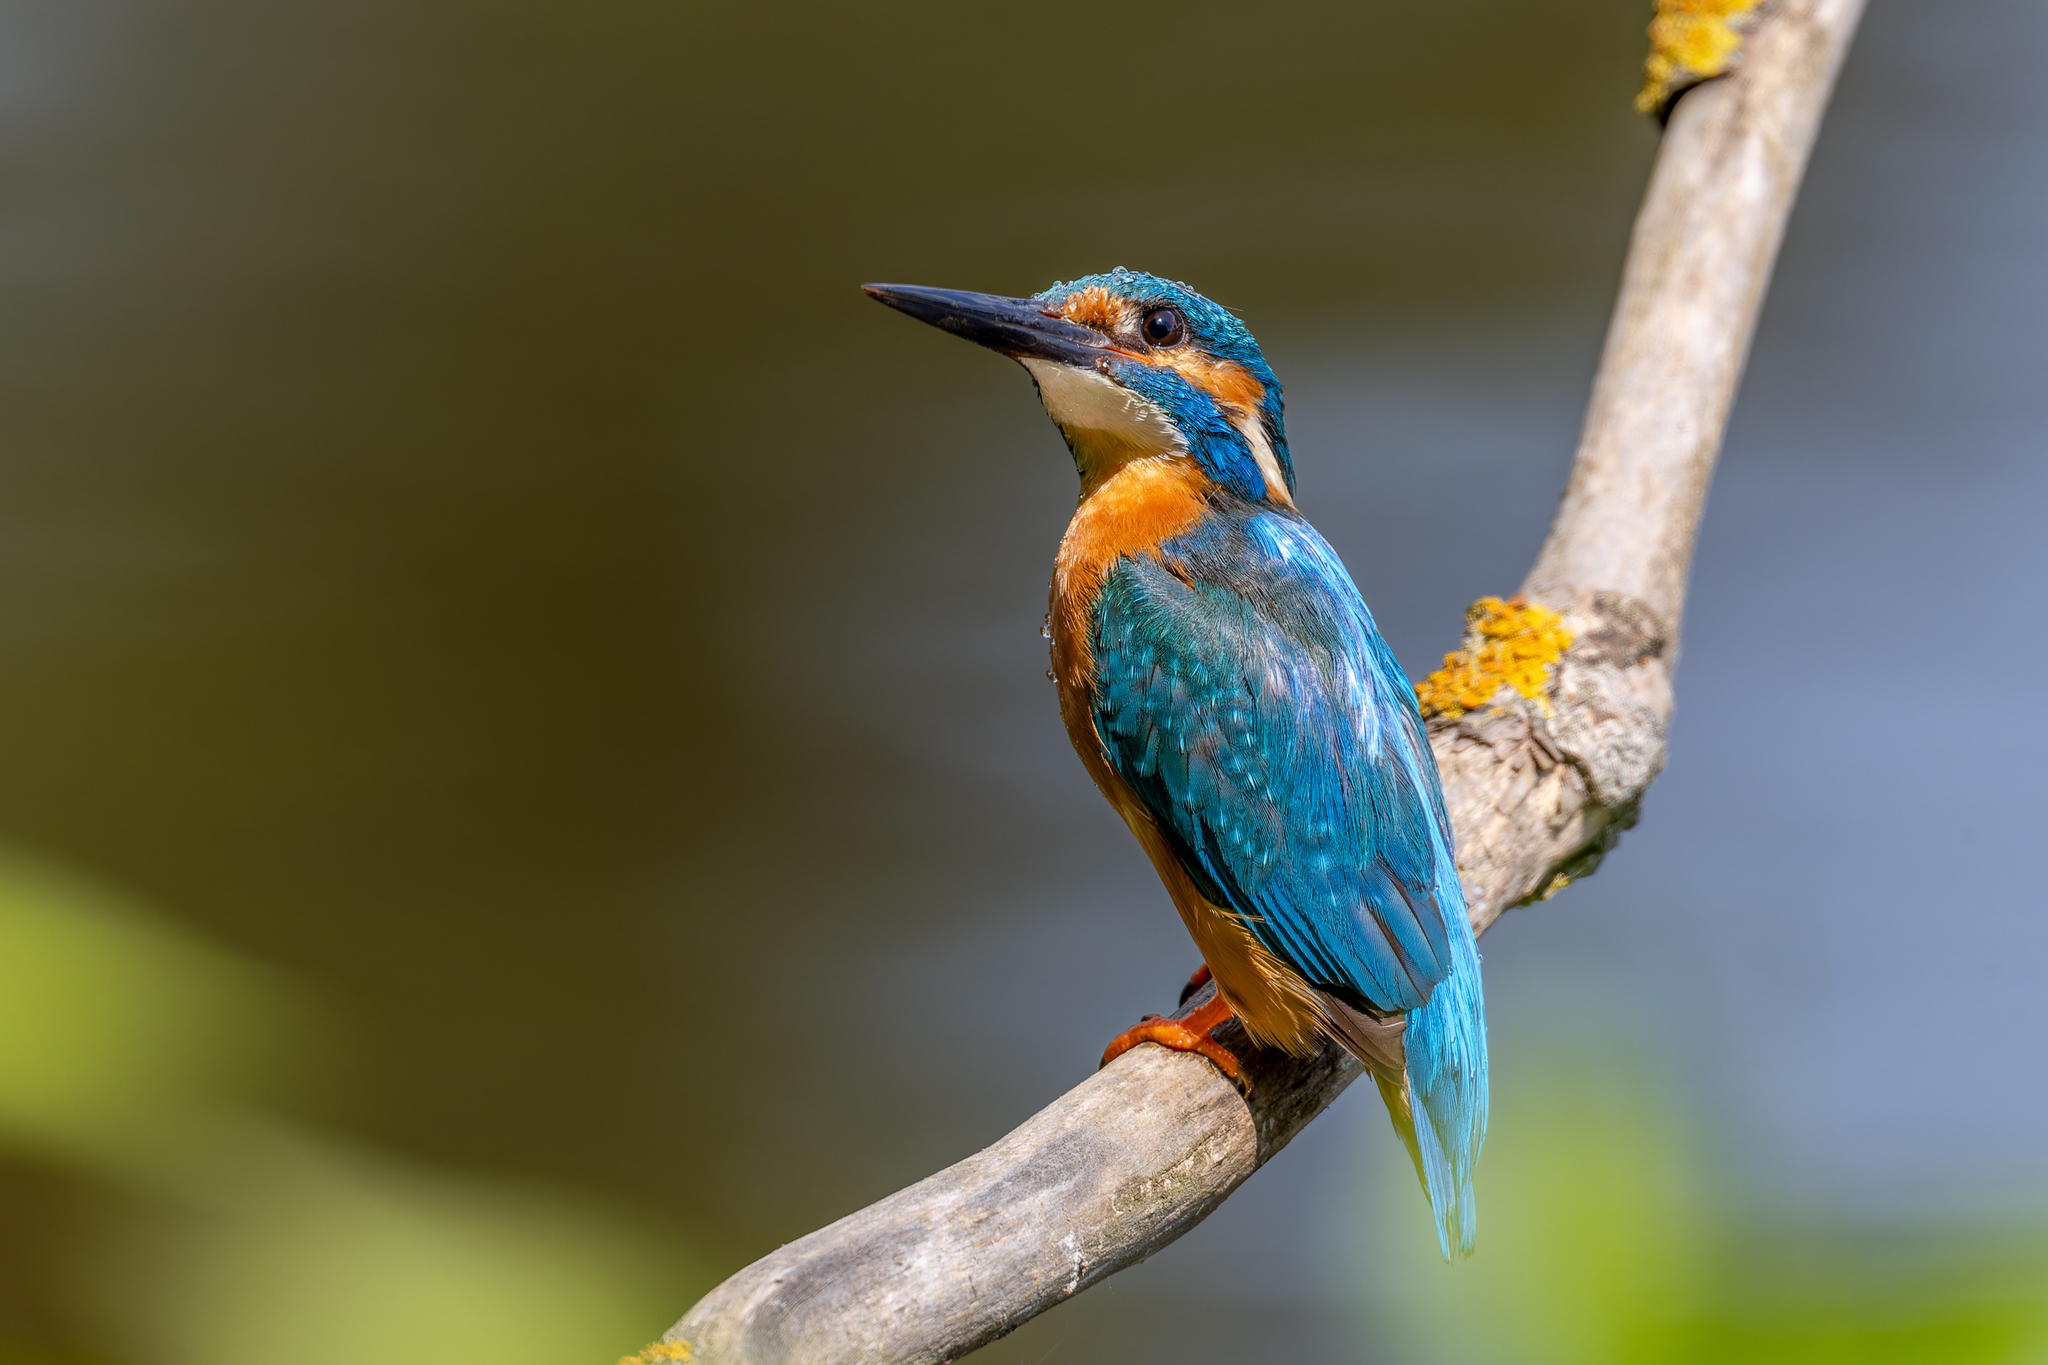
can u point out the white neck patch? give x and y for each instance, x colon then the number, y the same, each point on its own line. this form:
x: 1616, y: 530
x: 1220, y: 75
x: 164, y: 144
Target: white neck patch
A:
x: 1254, y: 432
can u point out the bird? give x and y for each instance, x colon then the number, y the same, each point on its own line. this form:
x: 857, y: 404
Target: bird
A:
x: 1226, y: 688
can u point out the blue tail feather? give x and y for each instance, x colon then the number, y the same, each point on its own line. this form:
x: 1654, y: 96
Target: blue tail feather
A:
x: 1446, y: 1046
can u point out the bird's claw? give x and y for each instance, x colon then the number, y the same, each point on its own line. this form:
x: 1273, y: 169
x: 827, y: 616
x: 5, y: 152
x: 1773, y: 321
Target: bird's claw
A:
x: 1187, y: 1034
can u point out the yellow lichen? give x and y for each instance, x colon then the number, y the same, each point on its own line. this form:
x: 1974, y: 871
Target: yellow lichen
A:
x: 1690, y: 41
x: 1507, y: 644
x: 660, y: 1353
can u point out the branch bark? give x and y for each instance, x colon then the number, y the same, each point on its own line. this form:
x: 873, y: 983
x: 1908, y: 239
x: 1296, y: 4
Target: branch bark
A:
x: 1145, y: 1149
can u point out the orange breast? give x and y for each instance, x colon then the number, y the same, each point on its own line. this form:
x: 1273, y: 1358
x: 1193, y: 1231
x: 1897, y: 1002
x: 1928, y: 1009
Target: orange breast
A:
x: 1142, y: 505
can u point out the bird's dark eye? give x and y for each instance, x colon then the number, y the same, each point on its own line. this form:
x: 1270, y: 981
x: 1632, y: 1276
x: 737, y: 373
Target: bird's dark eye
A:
x: 1163, y: 327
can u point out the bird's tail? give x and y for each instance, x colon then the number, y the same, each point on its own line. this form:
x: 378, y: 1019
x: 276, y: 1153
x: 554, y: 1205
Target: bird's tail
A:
x: 1440, y: 1106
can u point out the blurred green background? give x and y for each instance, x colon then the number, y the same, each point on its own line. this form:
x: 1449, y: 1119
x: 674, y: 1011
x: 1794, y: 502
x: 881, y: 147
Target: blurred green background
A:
x: 526, y: 777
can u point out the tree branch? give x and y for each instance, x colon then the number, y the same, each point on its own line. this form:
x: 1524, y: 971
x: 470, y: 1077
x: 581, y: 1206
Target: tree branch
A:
x: 1145, y: 1149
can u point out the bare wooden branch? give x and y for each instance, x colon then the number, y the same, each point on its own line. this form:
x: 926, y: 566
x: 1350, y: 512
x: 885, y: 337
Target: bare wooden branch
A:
x: 1145, y: 1149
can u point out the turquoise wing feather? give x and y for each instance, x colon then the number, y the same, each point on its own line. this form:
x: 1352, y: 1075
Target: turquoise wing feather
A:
x: 1244, y: 694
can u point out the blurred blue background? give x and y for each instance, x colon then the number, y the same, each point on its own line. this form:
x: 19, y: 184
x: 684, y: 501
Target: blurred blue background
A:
x: 526, y: 772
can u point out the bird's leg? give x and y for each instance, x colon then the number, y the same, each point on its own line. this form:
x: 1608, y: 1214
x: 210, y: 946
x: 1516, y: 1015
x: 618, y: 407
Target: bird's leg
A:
x: 1188, y: 1033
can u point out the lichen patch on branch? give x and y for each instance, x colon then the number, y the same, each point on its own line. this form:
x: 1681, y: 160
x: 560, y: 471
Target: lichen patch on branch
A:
x: 1515, y: 644
x: 1691, y: 41
x: 660, y: 1353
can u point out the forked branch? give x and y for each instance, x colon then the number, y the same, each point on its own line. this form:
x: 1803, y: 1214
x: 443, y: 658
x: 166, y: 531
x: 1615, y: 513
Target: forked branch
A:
x: 1539, y: 789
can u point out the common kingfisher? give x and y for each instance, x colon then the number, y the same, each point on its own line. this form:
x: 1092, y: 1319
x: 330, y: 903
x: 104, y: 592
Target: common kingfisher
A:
x: 1225, y: 687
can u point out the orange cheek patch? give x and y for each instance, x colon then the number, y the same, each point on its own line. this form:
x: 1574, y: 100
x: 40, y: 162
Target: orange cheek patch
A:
x: 1232, y: 385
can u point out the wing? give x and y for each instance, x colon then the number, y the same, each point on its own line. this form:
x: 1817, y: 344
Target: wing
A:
x: 1244, y: 694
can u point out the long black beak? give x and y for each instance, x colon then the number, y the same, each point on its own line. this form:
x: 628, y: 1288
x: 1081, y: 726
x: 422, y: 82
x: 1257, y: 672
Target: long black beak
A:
x: 1021, y: 328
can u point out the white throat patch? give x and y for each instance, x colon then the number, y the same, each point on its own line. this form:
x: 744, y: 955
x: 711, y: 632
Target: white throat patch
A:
x: 1082, y: 400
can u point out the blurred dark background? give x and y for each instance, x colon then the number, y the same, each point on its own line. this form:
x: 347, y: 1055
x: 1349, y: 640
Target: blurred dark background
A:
x: 525, y: 763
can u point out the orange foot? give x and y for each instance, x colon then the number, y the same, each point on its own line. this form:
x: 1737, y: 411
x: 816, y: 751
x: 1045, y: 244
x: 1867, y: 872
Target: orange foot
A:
x: 1189, y: 1033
